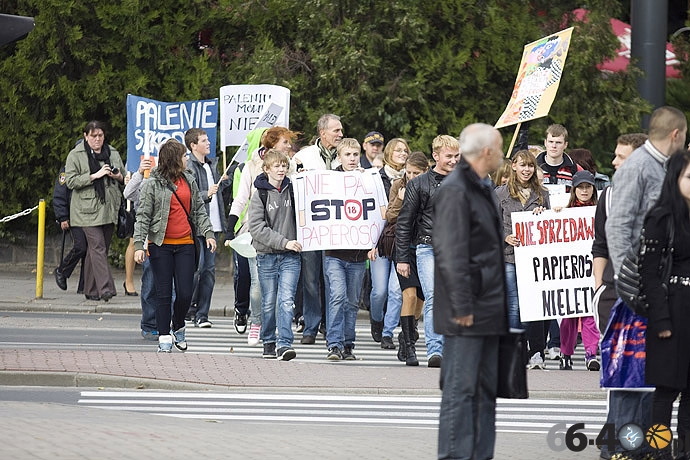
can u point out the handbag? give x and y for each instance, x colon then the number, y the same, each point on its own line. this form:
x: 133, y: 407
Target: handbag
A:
x: 197, y: 248
x: 386, y: 242
x: 512, y: 370
x: 629, y: 280
x: 125, y: 220
x: 623, y: 348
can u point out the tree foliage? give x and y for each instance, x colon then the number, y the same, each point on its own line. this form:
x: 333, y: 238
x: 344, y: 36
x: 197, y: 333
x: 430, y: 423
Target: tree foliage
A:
x: 403, y: 67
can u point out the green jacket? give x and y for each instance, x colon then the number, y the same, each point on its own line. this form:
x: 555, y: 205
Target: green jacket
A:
x: 86, y: 210
x: 154, y: 207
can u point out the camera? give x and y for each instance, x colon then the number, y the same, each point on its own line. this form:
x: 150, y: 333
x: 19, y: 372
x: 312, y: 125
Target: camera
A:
x: 115, y: 171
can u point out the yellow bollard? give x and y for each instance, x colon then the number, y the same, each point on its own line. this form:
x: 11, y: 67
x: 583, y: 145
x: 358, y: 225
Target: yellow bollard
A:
x: 40, y: 247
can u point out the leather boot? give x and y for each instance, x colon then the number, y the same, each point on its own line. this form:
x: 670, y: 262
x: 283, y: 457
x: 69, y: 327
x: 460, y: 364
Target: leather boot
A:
x: 407, y: 323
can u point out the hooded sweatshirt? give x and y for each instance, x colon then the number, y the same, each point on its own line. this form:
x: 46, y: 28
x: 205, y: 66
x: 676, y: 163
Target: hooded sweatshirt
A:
x: 272, y: 226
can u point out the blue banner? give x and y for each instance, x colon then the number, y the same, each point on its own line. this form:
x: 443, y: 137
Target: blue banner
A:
x: 151, y: 122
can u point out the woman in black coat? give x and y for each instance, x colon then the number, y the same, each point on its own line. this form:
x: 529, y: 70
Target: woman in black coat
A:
x: 668, y: 330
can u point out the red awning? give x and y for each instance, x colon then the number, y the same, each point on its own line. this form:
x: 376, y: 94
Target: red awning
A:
x: 620, y: 63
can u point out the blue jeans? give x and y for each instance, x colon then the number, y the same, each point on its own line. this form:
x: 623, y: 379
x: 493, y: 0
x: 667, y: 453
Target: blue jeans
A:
x: 344, y: 281
x: 512, y: 294
x: 467, y: 420
x: 254, y: 291
x: 425, y: 270
x: 148, y: 297
x: 278, y: 274
x: 385, y: 287
x: 628, y: 407
x: 312, y: 266
x: 204, y: 279
x: 172, y: 262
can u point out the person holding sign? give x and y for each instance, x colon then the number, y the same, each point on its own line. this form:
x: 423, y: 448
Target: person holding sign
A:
x: 523, y: 192
x: 344, y: 273
x: 581, y: 194
x: 273, y: 227
x: 471, y: 310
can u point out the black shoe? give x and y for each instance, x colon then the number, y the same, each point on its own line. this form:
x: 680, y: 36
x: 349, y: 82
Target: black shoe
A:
x: 387, y: 343
x: 377, y: 331
x: 348, y: 355
x: 322, y: 329
x: 240, y: 322
x: 402, y: 353
x: 308, y: 340
x: 107, y: 296
x: 334, y: 354
x: 300, y: 324
x: 269, y: 350
x: 285, y: 354
x: 60, y: 279
x: 132, y: 293
x: 435, y: 361
x: 92, y: 297
x: 191, y: 313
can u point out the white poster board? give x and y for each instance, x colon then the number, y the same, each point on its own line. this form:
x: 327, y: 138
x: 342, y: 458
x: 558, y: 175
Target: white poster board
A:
x: 241, y: 107
x: 554, y: 263
x: 339, y: 210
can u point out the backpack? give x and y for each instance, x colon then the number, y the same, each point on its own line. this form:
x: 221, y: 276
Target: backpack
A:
x: 629, y: 281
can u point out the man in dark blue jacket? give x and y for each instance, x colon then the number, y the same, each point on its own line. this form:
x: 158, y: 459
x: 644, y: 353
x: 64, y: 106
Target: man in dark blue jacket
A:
x: 61, y: 200
x: 470, y: 307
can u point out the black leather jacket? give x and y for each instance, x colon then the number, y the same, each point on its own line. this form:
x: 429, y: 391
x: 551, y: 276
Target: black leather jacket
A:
x: 415, y: 220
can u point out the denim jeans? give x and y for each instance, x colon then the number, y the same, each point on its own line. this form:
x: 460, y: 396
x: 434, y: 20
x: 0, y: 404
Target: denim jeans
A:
x: 312, y: 266
x: 278, y: 274
x: 385, y: 288
x: 148, y: 297
x: 628, y: 407
x: 467, y: 420
x: 172, y: 261
x: 241, y: 282
x: 425, y: 270
x: 254, y: 291
x: 344, y: 281
x: 204, y: 279
x: 512, y: 294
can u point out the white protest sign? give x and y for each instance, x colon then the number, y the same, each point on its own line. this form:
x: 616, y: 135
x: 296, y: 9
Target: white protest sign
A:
x: 339, y: 210
x: 554, y: 263
x: 266, y: 120
x: 241, y: 107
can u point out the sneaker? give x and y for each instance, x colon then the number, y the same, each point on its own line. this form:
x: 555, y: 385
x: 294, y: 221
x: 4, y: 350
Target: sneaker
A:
x: 164, y: 344
x: 269, y: 350
x: 286, y: 354
x: 254, y: 335
x: 592, y: 363
x: 203, y: 322
x: 149, y: 335
x: 308, y: 340
x: 348, y: 355
x: 178, y: 339
x: 387, y: 343
x: 554, y: 353
x: 240, y: 322
x: 334, y: 354
x: 536, y: 362
x: 435, y: 361
x: 191, y: 313
x: 566, y: 363
x: 300, y: 324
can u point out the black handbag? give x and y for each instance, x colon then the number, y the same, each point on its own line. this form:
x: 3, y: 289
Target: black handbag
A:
x: 629, y: 280
x: 512, y: 369
x: 125, y: 220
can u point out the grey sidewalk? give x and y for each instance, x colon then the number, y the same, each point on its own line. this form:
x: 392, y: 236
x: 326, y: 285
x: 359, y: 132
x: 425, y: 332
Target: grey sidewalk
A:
x: 127, y: 369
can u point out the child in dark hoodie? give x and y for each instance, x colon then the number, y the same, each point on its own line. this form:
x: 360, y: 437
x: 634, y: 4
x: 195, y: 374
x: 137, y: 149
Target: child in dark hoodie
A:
x: 273, y: 228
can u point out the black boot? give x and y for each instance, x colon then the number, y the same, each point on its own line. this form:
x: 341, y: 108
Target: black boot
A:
x: 415, y: 334
x: 402, y: 348
x: 407, y: 323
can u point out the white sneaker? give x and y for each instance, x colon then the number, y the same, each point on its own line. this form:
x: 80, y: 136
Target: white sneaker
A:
x: 165, y: 344
x: 536, y: 362
x: 254, y: 334
x: 554, y: 353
